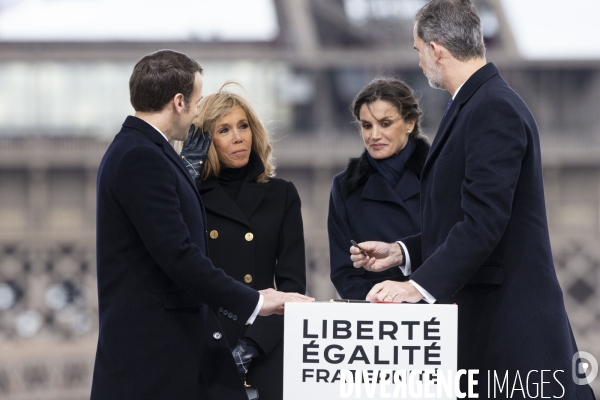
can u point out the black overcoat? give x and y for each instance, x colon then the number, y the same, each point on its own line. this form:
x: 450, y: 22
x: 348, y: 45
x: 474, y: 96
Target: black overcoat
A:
x: 363, y: 206
x: 485, y: 242
x: 158, y: 337
x: 258, y: 239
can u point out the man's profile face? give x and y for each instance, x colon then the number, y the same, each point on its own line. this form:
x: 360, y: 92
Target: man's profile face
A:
x: 432, y: 71
x: 191, y: 111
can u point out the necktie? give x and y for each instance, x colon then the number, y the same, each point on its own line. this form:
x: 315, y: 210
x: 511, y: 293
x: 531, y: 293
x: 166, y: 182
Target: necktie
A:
x: 448, y: 105
x: 447, y: 108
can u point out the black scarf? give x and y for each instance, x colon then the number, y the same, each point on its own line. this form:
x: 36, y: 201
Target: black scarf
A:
x: 392, y: 168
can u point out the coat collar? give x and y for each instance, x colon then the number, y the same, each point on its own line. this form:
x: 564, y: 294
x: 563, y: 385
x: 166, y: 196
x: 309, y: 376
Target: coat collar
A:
x: 251, y: 194
x: 216, y: 200
x: 144, y: 127
x: 464, y: 94
x: 155, y: 136
x: 378, y: 189
x: 359, y: 169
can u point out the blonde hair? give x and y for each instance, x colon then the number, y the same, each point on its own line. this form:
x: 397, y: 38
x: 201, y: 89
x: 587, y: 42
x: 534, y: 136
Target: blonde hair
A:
x: 217, y: 105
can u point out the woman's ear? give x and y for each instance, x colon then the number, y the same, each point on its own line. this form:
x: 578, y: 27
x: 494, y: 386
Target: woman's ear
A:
x: 410, y: 125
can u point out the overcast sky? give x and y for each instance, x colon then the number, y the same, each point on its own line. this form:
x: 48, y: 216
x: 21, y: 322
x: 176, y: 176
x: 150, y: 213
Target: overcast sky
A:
x: 137, y: 20
x: 543, y: 29
x: 561, y: 29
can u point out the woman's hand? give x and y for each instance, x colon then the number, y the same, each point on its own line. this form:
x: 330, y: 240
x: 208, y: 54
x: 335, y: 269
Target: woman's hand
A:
x: 194, y: 152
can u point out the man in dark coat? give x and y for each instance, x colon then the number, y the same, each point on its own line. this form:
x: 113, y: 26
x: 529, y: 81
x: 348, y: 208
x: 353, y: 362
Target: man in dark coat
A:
x: 484, y: 243
x: 159, y: 334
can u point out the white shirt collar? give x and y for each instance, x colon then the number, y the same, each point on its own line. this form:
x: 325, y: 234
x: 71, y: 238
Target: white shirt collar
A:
x: 159, y: 131
x: 455, y: 93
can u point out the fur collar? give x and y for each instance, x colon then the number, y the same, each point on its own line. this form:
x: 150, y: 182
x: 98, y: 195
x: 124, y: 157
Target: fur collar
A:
x: 358, y: 170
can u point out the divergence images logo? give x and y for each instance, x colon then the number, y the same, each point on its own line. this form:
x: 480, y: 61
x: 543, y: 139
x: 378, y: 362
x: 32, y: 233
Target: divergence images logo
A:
x: 584, y: 368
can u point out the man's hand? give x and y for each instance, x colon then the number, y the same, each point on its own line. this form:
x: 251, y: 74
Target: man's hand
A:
x: 273, y: 301
x: 381, y: 256
x: 194, y: 152
x: 397, y: 292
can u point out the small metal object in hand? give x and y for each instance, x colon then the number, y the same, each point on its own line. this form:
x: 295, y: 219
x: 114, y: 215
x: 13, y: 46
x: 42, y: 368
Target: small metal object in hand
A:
x: 361, y: 250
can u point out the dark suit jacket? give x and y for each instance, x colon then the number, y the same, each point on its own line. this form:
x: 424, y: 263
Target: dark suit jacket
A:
x: 363, y: 206
x: 485, y: 242
x: 274, y: 253
x: 158, y: 337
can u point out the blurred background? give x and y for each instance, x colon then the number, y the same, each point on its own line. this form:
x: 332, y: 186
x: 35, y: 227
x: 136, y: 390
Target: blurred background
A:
x: 64, y: 72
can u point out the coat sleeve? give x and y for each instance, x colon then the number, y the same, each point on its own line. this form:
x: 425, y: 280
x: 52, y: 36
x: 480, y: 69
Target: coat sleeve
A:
x: 146, y: 189
x: 290, y: 271
x: 413, y: 246
x: 349, y: 281
x: 495, y: 144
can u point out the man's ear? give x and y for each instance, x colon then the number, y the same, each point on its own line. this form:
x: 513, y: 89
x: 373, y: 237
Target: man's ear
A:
x: 179, y: 103
x: 437, y: 50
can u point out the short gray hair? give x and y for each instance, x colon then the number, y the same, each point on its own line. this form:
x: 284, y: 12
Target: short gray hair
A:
x: 455, y: 25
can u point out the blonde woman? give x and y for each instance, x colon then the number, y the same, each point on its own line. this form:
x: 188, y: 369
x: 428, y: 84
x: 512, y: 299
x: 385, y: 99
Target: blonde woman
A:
x: 255, y: 214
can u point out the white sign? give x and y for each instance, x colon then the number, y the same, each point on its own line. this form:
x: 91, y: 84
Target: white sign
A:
x: 369, y: 351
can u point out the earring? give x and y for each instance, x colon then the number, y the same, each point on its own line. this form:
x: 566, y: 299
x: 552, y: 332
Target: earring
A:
x: 409, y: 131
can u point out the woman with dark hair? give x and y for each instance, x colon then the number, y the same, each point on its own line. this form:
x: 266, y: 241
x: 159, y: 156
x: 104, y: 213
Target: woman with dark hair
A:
x: 256, y: 215
x: 377, y: 196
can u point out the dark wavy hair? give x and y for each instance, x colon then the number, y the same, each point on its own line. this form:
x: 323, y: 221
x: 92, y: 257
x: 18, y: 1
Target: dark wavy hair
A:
x: 395, y: 92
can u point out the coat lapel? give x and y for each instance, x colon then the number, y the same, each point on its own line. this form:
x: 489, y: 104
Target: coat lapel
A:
x: 159, y: 140
x: 174, y: 157
x: 378, y: 189
x: 464, y: 94
x: 216, y: 200
x: 408, y: 186
x: 252, y: 194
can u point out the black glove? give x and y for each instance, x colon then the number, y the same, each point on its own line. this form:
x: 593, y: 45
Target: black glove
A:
x: 194, y: 152
x: 243, y: 354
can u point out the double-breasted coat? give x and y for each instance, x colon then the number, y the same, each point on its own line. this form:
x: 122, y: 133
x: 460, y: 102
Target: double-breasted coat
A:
x: 258, y: 239
x: 485, y: 243
x: 159, y: 334
x: 364, y: 206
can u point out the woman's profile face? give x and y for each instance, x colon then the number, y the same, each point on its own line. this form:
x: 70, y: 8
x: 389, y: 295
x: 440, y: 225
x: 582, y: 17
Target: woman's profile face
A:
x: 384, y: 131
x: 232, y: 139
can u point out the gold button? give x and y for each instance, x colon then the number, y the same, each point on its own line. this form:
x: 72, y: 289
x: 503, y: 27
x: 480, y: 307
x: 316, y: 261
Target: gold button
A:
x: 249, y: 236
x: 214, y: 234
x: 247, y: 278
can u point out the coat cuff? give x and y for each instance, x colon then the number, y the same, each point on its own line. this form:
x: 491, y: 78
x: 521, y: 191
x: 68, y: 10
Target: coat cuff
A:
x: 256, y: 310
x: 426, y: 295
x: 406, y: 268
